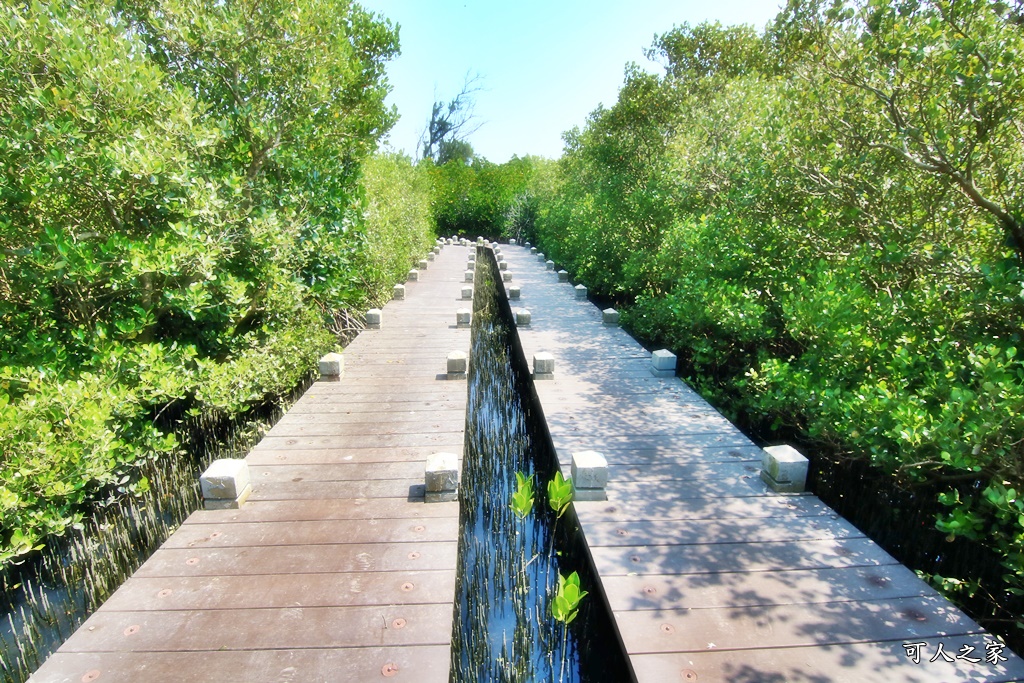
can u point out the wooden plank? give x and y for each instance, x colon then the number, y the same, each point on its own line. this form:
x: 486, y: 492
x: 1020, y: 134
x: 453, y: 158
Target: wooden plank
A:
x: 625, y: 490
x: 719, y: 531
x: 370, y: 412
x: 754, y: 588
x: 691, y: 509
x: 345, y: 454
x: 418, y: 393
x: 381, y: 430
x: 416, y: 664
x: 680, y: 472
x: 566, y: 443
x: 344, y: 470
x: 845, y: 663
x: 263, y: 629
x: 623, y: 454
x: 345, y: 558
x: 735, y: 557
x: 324, y: 509
x: 313, y: 533
x: 795, y: 625
x: 449, y: 439
x: 183, y: 593
x: 612, y: 422
x: 405, y: 489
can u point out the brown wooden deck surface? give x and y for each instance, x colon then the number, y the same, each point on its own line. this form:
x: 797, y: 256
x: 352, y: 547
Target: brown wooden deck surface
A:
x: 710, y: 576
x: 335, y: 570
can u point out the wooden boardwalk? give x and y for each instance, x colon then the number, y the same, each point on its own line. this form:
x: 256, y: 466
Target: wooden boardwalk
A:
x: 335, y: 570
x: 710, y: 576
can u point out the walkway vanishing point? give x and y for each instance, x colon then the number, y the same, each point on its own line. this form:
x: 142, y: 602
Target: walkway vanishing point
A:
x: 336, y: 570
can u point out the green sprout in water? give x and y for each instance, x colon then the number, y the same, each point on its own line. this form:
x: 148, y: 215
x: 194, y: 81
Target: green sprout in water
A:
x: 522, y: 499
x: 567, y: 600
x: 559, y: 493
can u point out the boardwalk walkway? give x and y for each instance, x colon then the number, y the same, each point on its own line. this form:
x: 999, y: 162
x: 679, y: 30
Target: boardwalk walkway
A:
x: 710, y: 576
x: 335, y: 570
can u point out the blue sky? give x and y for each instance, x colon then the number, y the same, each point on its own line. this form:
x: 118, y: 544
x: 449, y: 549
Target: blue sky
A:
x: 544, y: 64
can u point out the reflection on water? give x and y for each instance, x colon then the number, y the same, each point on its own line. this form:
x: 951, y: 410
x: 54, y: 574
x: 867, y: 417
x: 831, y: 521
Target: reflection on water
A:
x: 508, y: 567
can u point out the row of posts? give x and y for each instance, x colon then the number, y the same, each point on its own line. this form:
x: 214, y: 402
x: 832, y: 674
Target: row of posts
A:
x: 226, y: 483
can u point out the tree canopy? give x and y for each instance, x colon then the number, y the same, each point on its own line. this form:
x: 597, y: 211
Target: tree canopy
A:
x: 183, y: 207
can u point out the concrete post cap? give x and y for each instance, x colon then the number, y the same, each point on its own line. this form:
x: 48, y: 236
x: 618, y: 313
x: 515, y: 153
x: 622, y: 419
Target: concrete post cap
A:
x: 332, y: 365
x: 589, y: 470
x: 225, y: 479
x: 458, y: 362
x: 543, y: 363
x: 784, y: 469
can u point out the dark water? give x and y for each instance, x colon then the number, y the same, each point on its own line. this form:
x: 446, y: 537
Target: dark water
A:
x: 508, y: 567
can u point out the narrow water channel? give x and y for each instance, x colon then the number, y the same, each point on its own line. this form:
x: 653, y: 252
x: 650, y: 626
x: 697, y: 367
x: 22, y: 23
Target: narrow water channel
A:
x: 509, y: 567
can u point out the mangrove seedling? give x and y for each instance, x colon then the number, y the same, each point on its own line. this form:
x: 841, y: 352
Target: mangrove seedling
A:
x: 559, y: 493
x: 567, y: 600
x: 522, y: 499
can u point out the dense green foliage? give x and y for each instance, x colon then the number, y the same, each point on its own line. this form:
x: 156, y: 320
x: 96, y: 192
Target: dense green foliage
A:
x: 824, y: 222
x: 475, y: 197
x: 183, y: 207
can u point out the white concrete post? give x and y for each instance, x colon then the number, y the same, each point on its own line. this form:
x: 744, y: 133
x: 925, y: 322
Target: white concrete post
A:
x: 441, y: 476
x: 423, y: 264
x: 533, y: 251
x: 543, y: 366
x: 514, y: 293
x: 413, y: 276
x: 458, y: 364
x: 225, y: 484
x: 502, y: 265
x: 549, y: 265
x: 506, y: 276
x: 581, y: 292
x: 541, y: 257
x: 663, y: 363
x: 332, y: 367
x: 523, y: 317
x: 431, y: 256
x: 512, y: 242
x: 589, y: 476
x: 610, y: 317
x: 398, y: 292
x: 563, y: 276
x: 467, y: 292
x: 469, y: 276
x: 373, y: 319
x: 463, y: 317
x: 784, y: 469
